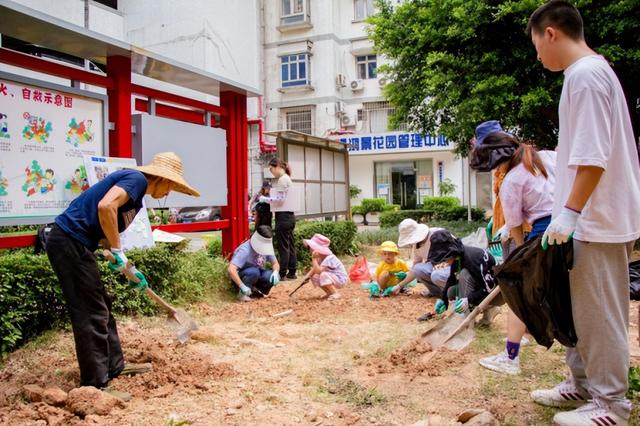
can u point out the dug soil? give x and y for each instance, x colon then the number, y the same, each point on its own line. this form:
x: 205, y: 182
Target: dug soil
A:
x: 292, y: 360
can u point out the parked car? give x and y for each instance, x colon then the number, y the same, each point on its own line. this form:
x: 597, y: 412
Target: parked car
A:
x: 198, y: 214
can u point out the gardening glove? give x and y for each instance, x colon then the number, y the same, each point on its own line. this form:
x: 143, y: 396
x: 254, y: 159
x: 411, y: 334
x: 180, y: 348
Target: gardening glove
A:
x: 275, y: 278
x: 142, y: 283
x: 503, y: 233
x: 373, y: 287
x: 120, y: 261
x: 263, y: 199
x: 561, y: 229
x: 440, y: 307
x: 245, y: 290
x: 461, y: 305
x: 400, y: 275
x: 391, y: 290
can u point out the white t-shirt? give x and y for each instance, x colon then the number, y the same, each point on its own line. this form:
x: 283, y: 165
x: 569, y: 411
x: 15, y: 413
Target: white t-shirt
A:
x: 595, y: 130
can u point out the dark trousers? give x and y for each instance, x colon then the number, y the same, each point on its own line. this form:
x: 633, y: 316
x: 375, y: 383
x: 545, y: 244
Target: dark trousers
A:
x: 256, y: 278
x: 285, y: 224
x: 94, y: 328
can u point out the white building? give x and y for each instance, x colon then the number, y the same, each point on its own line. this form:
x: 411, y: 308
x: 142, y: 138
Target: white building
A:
x: 320, y: 79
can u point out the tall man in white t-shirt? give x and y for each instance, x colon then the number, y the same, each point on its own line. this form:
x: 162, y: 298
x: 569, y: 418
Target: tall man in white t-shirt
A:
x: 597, y: 200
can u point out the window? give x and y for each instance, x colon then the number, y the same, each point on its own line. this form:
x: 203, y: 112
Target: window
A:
x: 294, y: 70
x: 300, y: 120
x: 362, y: 9
x: 366, y: 66
x: 294, y: 12
x: 113, y: 4
x: 376, y: 117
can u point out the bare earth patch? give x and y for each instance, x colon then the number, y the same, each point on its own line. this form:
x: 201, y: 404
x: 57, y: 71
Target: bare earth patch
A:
x: 353, y: 361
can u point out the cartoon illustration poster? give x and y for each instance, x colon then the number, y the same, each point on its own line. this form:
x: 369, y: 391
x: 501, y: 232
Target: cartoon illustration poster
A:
x: 138, y: 234
x: 44, y: 135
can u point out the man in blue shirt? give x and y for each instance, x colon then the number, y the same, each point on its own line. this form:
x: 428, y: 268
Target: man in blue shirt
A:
x: 99, y: 215
x: 247, y: 266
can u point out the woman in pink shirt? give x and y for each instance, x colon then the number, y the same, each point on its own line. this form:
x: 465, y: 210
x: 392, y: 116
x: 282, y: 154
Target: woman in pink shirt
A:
x: 526, y: 195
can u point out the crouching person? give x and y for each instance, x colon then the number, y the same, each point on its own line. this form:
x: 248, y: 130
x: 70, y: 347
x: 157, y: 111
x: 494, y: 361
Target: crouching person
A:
x: 247, y: 266
x: 474, y: 270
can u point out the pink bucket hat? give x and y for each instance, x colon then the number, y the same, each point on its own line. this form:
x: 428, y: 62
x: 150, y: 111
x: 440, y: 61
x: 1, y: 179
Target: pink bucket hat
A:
x: 319, y: 243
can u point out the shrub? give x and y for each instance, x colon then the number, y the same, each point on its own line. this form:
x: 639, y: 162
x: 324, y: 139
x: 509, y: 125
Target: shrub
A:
x: 375, y: 237
x: 31, y: 298
x: 357, y: 210
x: 391, y: 207
x: 447, y: 187
x: 373, y: 205
x: 342, y: 235
x: 438, y: 203
x: 393, y: 218
x: 354, y: 191
x: 214, y: 245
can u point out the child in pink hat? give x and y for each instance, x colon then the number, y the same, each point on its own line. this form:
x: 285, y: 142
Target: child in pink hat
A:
x: 327, y: 272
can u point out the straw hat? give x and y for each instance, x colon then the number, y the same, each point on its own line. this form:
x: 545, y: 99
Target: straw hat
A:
x: 411, y: 232
x: 168, y: 165
x: 389, y: 246
x: 319, y: 243
x: 262, y: 242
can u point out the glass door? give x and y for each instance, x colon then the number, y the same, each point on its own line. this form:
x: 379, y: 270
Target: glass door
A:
x: 403, y: 185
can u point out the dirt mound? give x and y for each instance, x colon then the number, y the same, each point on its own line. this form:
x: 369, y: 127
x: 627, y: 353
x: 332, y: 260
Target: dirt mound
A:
x: 89, y: 400
x: 35, y: 414
x: 174, y: 367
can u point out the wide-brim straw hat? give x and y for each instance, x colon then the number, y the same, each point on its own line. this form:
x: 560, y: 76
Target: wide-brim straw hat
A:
x: 168, y: 165
x: 411, y: 232
x: 262, y: 245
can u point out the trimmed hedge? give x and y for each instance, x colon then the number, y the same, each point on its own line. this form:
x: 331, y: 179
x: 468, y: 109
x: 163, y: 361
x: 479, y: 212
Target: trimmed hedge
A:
x: 342, y: 235
x: 439, y: 203
x: 393, y: 218
x: 31, y: 298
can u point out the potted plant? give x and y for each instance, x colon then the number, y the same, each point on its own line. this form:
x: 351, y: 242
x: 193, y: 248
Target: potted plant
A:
x: 372, y: 207
x: 357, y: 215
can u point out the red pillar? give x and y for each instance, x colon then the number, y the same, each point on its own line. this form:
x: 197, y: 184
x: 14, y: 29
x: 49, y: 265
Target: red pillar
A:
x: 237, y: 209
x: 119, y: 70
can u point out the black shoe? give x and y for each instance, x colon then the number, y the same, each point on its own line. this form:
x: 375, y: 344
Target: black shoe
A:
x: 291, y: 276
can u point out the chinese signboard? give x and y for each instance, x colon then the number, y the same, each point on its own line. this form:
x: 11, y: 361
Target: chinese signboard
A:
x: 44, y: 134
x: 388, y: 143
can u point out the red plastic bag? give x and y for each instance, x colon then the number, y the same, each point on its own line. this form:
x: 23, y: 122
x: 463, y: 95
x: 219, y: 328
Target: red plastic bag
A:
x: 359, y: 272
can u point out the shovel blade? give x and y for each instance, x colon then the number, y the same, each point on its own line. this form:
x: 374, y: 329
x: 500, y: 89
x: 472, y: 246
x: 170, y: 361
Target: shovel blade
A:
x: 183, y: 323
x: 435, y: 336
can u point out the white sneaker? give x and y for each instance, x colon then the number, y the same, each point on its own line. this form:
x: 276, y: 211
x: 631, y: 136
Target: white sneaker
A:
x: 334, y: 296
x: 502, y: 363
x: 589, y: 414
x: 564, y: 395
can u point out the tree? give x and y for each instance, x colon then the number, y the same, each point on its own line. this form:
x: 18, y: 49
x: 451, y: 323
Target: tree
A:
x: 456, y: 63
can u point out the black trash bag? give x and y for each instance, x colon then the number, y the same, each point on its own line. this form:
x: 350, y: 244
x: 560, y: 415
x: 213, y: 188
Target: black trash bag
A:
x: 41, y: 238
x: 535, y: 284
x: 634, y: 280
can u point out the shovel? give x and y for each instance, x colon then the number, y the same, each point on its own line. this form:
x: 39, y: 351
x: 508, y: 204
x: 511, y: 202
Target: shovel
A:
x: 306, y: 280
x: 185, y: 324
x: 455, y: 332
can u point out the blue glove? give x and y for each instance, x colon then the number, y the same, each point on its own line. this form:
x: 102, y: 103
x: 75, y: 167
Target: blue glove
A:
x: 245, y: 290
x: 373, y: 287
x: 440, y: 307
x: 461, y: 305
x: 391, y: 290
x: 142, y: 283
x: 120, y: 261
x: 275, y: 278
x: 400, y: 275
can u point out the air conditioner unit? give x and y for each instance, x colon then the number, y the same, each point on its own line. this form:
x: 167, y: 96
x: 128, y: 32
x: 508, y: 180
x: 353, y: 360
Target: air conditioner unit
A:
x: 345, y: 120
x: 382, y: 82
x: 357, y: 85
x: 339, y: 107
x: 341, y: 80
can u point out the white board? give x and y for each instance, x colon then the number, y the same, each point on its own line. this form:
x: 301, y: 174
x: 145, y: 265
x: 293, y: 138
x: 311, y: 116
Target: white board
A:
x: 202, y: 149
x: 45, y: 130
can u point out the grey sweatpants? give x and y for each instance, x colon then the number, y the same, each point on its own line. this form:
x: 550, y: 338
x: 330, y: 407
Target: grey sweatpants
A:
x: 433, y: 279
x: 599, y: 363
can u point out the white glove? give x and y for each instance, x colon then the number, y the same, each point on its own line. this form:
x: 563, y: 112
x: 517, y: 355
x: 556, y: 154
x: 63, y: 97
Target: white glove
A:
x: 503, y: 233
x: 263, y: 199
x: 561, y: 229
x: 275, y: 278
x: 245, y: 290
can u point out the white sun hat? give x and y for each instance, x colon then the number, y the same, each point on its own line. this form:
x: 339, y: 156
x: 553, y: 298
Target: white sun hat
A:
x: 262, y: 244
x: 411, y: 232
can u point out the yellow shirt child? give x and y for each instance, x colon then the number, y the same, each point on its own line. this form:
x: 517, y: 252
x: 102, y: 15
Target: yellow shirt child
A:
x: 390, y: 265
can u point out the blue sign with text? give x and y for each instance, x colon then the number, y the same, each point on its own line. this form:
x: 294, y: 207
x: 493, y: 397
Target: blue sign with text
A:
x: 387, y: 143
